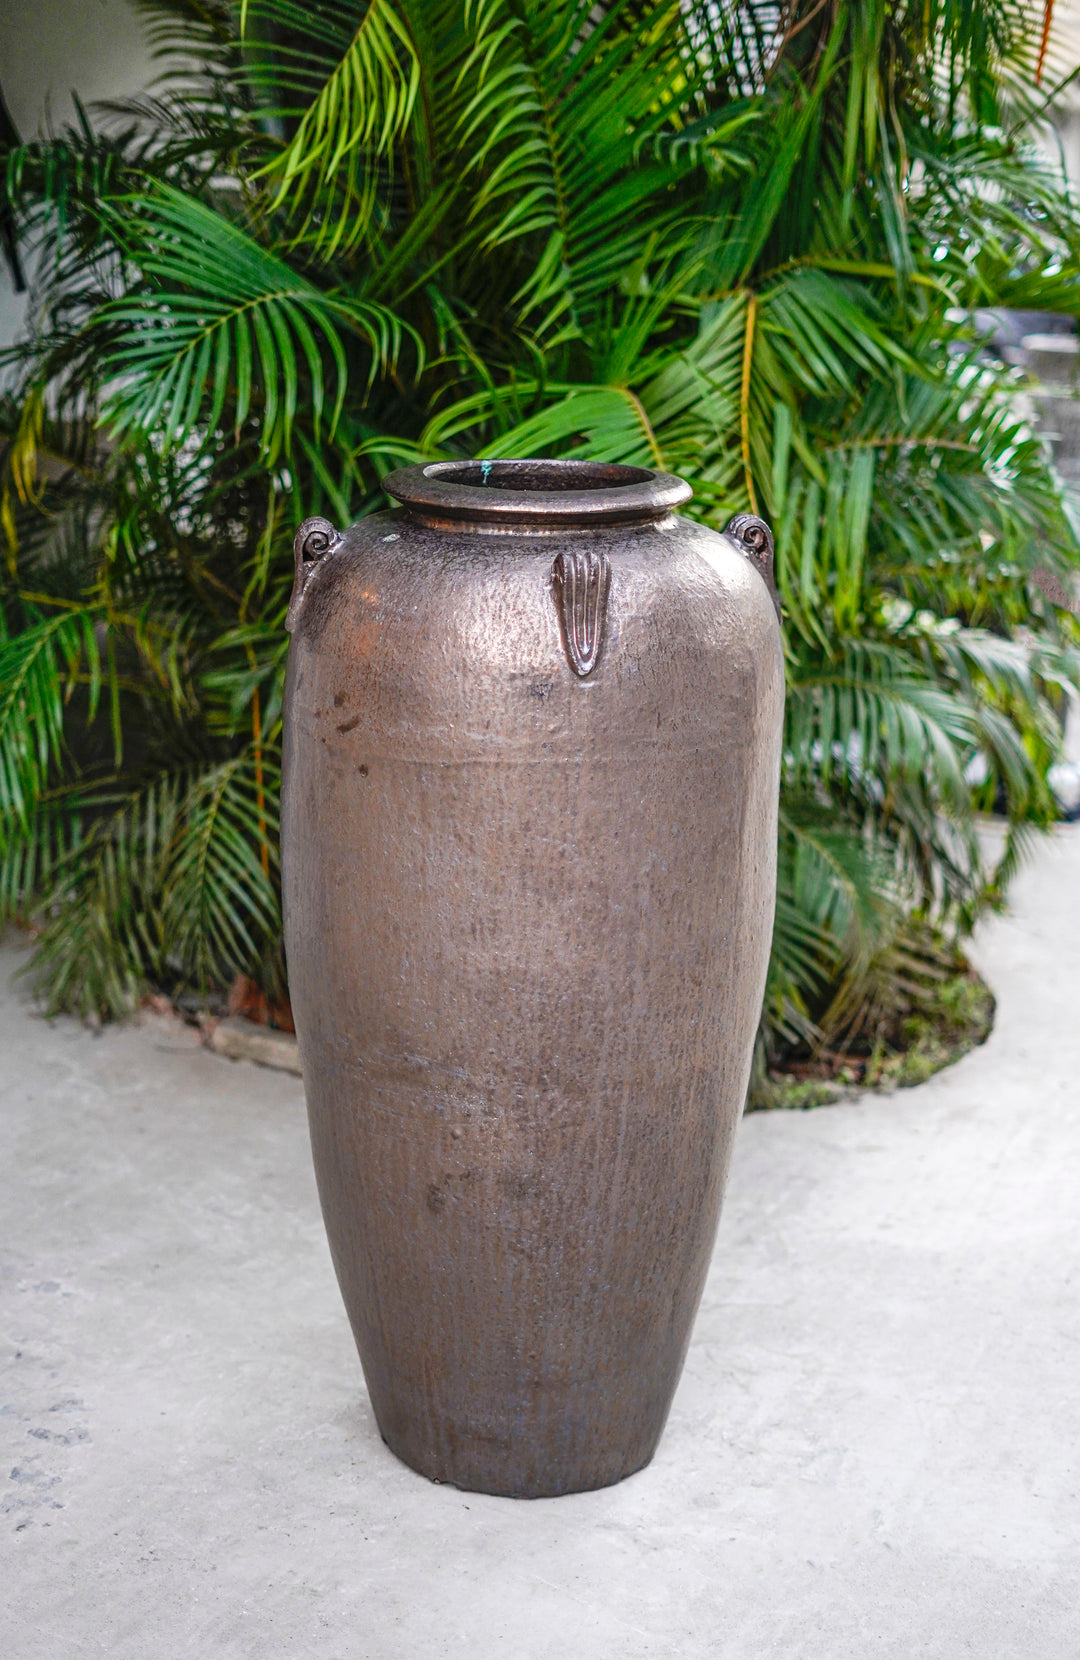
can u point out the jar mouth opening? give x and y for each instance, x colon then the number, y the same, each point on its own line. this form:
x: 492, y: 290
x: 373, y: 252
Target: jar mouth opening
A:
x: 537, y: 475
x: 537, y: 494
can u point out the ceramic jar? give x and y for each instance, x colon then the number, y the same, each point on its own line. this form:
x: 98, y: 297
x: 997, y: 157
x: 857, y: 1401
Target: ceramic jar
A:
x: 532, y: 755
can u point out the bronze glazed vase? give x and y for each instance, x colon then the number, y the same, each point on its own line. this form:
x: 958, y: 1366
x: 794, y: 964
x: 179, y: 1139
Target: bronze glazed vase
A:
x: 532, y: 756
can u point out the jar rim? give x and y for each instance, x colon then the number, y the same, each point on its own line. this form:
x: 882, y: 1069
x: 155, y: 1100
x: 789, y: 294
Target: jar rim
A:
x: 538, y: 494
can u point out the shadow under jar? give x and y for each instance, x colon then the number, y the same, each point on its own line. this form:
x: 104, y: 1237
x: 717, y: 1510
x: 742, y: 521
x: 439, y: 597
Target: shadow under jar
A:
x: 532, y: 754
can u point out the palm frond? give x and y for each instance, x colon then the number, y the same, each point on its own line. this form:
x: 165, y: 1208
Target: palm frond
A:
x: 40, y: 665
x: 102, y: 940
x: 221, y: 321
x: 219, y: 899
x: 364, y: 105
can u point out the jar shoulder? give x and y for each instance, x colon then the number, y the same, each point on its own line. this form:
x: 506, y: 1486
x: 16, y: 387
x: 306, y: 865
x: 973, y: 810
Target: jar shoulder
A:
x: 451, y: 648
x: 679, y: 574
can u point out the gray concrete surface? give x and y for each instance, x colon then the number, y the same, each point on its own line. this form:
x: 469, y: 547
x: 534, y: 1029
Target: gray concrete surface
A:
x: 872, y: 1455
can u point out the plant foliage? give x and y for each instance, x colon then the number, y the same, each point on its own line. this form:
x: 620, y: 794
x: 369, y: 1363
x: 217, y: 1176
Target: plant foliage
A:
x: 741, y: 242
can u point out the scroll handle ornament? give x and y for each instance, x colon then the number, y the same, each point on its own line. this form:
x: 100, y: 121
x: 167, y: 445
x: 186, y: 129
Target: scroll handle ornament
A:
x: 315, y: 540
x: 753, y: 538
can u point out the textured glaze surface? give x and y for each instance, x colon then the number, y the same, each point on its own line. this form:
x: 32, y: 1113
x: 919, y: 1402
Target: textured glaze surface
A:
x: 528, y: 916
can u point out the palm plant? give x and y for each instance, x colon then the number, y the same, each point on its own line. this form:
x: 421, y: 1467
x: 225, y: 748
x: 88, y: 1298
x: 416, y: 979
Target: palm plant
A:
x: 740, y: 242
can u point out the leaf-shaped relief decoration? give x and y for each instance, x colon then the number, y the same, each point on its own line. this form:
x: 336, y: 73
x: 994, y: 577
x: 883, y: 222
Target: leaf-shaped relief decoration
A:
x: 581, y: 577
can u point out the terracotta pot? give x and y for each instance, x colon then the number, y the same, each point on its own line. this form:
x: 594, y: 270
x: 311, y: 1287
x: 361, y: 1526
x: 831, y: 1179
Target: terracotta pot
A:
x: 532, y: 753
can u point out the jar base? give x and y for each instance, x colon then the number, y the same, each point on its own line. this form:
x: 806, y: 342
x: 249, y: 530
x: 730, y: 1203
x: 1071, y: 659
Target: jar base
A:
x: 519, y: 1485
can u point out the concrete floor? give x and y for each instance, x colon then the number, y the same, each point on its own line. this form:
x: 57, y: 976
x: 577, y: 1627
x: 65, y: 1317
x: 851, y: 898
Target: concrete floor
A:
x: 873, y: 1451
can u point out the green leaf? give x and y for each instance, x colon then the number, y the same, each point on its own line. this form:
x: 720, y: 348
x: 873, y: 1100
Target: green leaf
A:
x: 364, y: 105
x: 39, y: 668
x: 220, y: 316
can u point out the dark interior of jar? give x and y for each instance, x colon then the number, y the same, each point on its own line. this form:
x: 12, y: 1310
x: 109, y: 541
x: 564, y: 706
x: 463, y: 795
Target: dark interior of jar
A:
x: 537, y: 475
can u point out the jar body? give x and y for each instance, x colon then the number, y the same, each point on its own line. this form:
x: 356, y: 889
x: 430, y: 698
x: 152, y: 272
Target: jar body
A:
x: 528, y: 916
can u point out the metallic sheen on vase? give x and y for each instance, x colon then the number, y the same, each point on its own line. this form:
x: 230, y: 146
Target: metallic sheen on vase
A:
x: 532, y: 757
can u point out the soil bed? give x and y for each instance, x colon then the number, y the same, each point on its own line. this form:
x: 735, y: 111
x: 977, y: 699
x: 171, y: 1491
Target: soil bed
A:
x: 919, y: 1024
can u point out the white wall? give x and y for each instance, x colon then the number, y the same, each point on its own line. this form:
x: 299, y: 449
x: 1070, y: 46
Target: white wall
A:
x: 49, y: 48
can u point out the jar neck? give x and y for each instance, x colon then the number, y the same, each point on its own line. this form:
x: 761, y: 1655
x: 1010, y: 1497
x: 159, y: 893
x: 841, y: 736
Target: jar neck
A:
x: 534, y: 496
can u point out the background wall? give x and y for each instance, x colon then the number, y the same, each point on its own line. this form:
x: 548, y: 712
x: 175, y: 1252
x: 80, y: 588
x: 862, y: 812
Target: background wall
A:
x: 48, y: 49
